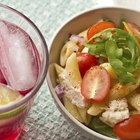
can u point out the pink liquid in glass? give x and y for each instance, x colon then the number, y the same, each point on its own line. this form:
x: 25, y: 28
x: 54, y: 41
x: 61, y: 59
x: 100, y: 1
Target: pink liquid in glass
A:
x: 19, y: 69
x: 12, y: 132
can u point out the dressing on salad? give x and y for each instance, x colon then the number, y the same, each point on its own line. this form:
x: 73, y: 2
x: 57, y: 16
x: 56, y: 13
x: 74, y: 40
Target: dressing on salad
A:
x: 99, y: 78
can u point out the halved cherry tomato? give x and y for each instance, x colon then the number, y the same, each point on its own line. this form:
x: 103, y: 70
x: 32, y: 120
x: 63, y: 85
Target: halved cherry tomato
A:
x: 85, y: 62
x: 129, y: 129
x: 134, y: 28
x: 98, y: 27
x: 95, y: 84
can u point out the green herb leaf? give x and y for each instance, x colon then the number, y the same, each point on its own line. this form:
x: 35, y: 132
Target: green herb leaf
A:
x: 122, y: 50
x: 135, y: 39
x: 97, y: 49
x: 121, y: 25
x: 97, y: 125
x: 110, y: 47
x: 122, y: 73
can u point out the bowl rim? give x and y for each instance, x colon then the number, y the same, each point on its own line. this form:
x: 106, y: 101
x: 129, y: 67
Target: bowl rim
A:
x: 52, y: 91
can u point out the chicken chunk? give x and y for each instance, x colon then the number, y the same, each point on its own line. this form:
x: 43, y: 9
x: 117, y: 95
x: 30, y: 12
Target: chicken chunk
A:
x: 116, y: 112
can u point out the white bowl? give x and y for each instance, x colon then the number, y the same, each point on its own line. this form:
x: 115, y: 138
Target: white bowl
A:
x: 75, y: 25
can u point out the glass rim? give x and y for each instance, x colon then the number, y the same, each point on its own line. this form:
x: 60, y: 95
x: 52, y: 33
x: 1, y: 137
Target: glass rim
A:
x: 27, y: 97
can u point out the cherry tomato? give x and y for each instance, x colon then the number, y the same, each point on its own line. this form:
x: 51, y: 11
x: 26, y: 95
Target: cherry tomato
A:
x: 98, y: 27
x: 134, y: 28
x: 85, y: 62
x: 129, y: 129
x: 95, y: 84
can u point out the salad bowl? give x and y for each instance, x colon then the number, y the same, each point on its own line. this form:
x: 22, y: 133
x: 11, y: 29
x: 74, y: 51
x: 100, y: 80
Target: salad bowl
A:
x: 76, y: 25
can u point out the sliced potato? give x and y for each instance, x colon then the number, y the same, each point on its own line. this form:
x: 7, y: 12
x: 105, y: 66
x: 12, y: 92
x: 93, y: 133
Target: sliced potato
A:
x: 119, y: 91
x: 66, y: 51
x: 72, y: 109
x: 58, y: 69
x: 85, y: 50
x: 110, y: 70
x: 96, y: 109
x: 89, y: 117
x: 85, y: 117
x: 73, y: 69
x: 134, y: 101
x: 82, y: 112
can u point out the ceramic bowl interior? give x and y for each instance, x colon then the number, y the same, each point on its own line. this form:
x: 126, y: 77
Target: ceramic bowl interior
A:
x: 76, y: 25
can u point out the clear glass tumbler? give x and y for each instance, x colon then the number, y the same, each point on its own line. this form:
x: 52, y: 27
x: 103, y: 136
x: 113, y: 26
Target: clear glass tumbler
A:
x: 12, y: 116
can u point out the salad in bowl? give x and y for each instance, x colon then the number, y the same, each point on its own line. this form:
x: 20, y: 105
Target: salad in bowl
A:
x: 98, y: 78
